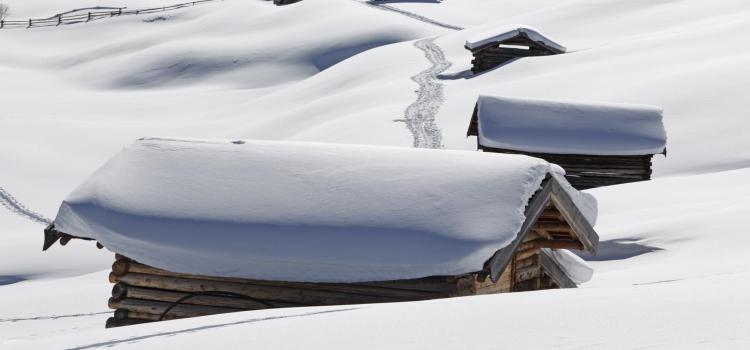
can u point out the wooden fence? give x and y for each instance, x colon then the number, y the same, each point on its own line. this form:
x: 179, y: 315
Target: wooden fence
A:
x: 87, y: 15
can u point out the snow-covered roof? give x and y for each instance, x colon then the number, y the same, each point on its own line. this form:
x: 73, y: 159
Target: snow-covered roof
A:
x: 304, y: 211
x: 510, y: 31
x: 569, y: 128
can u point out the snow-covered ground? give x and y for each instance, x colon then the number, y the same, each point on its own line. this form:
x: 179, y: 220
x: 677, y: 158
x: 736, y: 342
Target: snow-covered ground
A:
x: 672, y: 271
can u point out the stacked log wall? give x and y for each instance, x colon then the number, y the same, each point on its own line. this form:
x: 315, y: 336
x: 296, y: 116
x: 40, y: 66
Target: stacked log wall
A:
x: 142, y: 293
x: 495, y: 54
x: 591, y: 171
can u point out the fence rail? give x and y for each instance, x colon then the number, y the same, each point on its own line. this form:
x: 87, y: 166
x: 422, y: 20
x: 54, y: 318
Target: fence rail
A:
x: 83, y: 16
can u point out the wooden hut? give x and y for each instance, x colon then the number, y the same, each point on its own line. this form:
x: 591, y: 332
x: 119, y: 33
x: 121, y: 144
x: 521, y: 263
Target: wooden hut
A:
x: 596, y: 144
x: 501, y: 45
x: 203, y: 228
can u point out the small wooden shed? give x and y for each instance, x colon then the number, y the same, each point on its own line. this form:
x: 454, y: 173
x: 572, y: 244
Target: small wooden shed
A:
x: 597, y: 144
x: 498, y: 46
x: 203, y: 228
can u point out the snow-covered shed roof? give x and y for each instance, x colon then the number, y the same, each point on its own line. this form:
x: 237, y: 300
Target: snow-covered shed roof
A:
x: 558, y: 127
x: 507, y: 32
x: 307, y: 212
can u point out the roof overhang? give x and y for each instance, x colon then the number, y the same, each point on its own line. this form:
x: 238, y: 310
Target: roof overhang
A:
x: 555, y: 190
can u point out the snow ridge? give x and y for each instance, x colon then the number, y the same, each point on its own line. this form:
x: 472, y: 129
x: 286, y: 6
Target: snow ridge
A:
x: 7, y: 200
x: 420, y: 115
x: 385, y: 7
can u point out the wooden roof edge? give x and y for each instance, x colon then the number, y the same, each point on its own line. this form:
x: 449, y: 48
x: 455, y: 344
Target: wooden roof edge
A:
x: 522, y: 35
x: 563, y: 200
x: 473, y: 129
x: 52, y: 235
x: 554, y: 270
x: 497, y: 263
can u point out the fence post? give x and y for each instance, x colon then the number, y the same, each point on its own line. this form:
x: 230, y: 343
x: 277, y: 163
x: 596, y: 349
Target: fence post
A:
x: 59, y: 19
x: 119, y: 13
x: 89, y: 18
x: 29, y: 23
x: 2, y: 24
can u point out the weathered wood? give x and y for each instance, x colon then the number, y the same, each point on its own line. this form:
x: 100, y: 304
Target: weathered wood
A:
x: 534, y: 209
x: 560, y: 244
x: 290, y: 294
x: 526, y: 273
x: 544, y: 226
x: 375, y: 288
x: 122, y: 291
x: 503, y: 285
x: 525, y: 254
x: 564, y: 203
x: 522, y: 263
x: 157, y: 308
x: 112, y: 322
x: 435, y: 286
x: 120, y: 267
x: 123, y: 314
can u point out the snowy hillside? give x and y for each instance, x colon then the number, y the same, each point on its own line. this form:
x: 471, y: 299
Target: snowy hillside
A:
x: 671, y: 272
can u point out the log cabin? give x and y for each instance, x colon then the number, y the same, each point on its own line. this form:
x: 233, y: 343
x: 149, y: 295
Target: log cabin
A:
x: 207, y: 227
x: 501, y: 45
x: 597, y: 144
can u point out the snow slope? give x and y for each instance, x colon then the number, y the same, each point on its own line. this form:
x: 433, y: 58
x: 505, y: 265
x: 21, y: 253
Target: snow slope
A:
x: 672, y: 271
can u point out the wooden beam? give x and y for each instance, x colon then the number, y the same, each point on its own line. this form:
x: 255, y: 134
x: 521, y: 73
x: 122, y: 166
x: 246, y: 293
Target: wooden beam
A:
x: 122, y: 291
x: 473, y: 123
x: 556, y: 226
x: 291, y: 293
x: 559, y: 244
x: 157, y: 308
x: 561, y: 197
x: 424, y: 288
x: 113, y: 323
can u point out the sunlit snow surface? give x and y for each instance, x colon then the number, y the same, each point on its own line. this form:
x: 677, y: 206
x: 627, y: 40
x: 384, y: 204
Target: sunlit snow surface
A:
x: 672, y: 271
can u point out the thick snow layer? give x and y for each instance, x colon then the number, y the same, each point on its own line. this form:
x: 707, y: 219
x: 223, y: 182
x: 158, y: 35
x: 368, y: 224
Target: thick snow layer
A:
x: 572, y: 265
x: 569, y: 127
x: 509, y: 31
x: 71, y: 96
x: 303, y: 211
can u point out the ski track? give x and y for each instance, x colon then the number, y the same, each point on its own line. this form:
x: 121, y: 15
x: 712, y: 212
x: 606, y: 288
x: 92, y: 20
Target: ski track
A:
x: 420, y: 115
x: 385, y: 7
x: 11, y: 203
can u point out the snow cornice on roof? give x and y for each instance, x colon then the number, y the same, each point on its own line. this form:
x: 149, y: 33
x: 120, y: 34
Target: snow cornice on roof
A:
x: 346, y: 213
x: 565, y: 127
x: 508, y: 32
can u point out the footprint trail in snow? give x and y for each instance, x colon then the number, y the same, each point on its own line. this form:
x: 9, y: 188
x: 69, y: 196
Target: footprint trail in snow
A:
x: 385, y: 7
x: 420, y: 115
x: 11, y: 203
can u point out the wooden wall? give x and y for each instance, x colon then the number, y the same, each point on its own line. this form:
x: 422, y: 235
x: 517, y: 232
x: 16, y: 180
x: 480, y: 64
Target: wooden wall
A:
x: 146, y: 294
x: 590, y: 171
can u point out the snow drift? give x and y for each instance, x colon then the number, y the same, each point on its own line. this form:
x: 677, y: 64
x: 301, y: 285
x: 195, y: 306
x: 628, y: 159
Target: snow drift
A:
x: 509, y: 31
